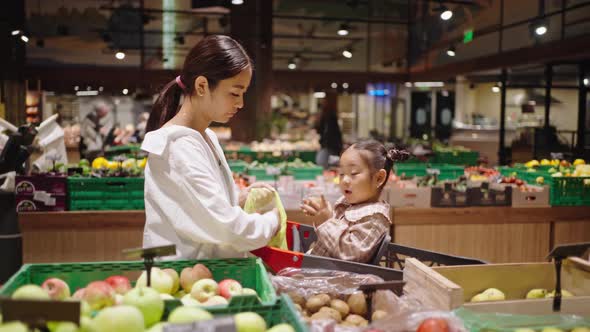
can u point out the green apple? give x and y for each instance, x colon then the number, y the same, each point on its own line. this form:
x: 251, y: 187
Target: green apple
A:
x: 13, y: 327
x: 157, y: 328
x: 481, y: 297
x: 282, y: 328
x: 65, y: 327
x: 30, y: 292
x: 494, y: 294
x: 161, y: 281
x: 249, y: 291
x: 537, y: 293
x: 581, y: 329
x: 249, y: 322
x: 166, y: 297
x: 564, y: 293
x: 87, y: 324
x: 188, y: 315
x: 148, y: 301
x: 189, y: 301
x: 524, y: 329
x: 175, y: 279
x: 551, y: 329
x: 180, y: 294
x: 123, y: 318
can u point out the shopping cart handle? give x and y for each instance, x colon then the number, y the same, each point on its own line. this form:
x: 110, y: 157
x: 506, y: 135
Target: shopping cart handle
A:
x: 278, y: 259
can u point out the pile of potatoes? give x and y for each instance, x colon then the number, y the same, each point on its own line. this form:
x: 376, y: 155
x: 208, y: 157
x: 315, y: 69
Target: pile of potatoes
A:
x: 352, y: 312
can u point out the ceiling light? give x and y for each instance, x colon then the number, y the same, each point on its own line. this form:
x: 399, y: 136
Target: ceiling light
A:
x: 100, y: 88
x: 347, y: 53
x: 292, y: 65
x: 541, y: 30
x: 446, y: 13
x: 429, y: 84
x: 343, y: 30
x: 125, y: 91
x: 87, y: 93
x: 16, y: 32
x: 237, y: 2
x: 345, y: 85
x: 496, y: 88
x: 88, y: 88
x: 24, y: 38
x: 76, y: 88
x: 451, y: 51
x: 120, y: 55
x: 586, y: 81
x: 319, y: 95
x: 408, y: 84
x: 334, y: 85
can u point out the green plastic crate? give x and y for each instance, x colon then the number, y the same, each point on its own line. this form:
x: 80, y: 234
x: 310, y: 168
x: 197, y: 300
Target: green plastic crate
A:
x: 304, y: 156
x: 237, y: 166
x: 260, y: 174
x: 283, y: 311
x: 507, y: 171
x: 456, y: 158
x: 105, y: 193
x: 570, y: 191
x: 250, y: 272
x: 306, y: 173
x: 446, y: 172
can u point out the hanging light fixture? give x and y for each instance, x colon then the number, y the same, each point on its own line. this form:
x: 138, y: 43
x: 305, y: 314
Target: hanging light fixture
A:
x: 347, y: 53
x: 446, y: 13
x: 496, y: 88
x: 120, y: 55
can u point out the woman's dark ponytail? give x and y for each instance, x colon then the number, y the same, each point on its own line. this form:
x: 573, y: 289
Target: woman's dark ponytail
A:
x: 165, y: 107
x: 216, y: 58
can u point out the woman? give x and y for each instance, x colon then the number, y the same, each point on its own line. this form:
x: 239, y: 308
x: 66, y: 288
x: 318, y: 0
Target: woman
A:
x: 190, y: 197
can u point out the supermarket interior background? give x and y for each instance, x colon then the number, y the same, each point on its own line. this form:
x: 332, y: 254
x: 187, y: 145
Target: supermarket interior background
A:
x: 491, y: 98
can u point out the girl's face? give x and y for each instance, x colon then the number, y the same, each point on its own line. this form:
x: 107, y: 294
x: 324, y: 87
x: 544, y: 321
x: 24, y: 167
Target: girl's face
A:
x: 227, y: 98
x: 358, y: 182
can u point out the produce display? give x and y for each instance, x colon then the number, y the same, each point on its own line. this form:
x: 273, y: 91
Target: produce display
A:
x: 118, y: 304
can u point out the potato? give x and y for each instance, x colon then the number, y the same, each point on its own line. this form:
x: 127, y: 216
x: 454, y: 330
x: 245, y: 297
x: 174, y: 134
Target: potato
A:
x: 378, y: 315
x: 341, y: 307
x: 335, y: 314
x: 325, y: 297
x: 297, y: 299
x: 356, y: 320
x: 322, y: 315
x: 298, y: 307
x: 314, y: 304
x: 358, y: 304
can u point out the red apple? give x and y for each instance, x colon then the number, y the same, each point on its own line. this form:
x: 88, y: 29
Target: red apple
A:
x: 79, y: 294
x: 187, y: 279
x: 56, y: 288
x: 229, y: 288
x: 175, y: 278
x: 202, y: 272
x: 99, y: 294
x: 120, y: 284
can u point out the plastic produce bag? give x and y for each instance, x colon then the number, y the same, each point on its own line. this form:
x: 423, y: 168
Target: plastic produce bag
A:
x: 259, y: 202
x: 499, y: 322
x: 303, y: 284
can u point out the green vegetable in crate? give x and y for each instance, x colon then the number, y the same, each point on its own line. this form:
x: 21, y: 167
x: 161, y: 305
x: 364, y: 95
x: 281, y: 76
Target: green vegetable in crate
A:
x: 259, y: 201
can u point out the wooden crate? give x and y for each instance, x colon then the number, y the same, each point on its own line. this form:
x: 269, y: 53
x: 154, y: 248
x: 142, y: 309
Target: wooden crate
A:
x: 450, y: 287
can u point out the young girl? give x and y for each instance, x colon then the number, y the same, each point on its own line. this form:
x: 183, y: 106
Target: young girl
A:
x: 355, y: 227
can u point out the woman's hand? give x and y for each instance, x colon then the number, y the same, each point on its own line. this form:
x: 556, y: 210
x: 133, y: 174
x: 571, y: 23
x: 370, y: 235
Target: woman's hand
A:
x: 244, y: 193
x: 320, y: 210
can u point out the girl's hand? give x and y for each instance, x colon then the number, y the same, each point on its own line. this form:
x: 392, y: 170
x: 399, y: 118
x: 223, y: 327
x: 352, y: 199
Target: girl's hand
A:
x: 244, y: 193
x: 320, y: 210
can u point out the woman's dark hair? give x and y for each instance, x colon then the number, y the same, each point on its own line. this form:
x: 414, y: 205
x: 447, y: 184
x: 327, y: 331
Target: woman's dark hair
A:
x: 214, y: 57
x: 378, y: 157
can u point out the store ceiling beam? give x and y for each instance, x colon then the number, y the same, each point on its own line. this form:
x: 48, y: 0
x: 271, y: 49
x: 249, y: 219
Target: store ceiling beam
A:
x: 339, y: 19
x: 548, y: 52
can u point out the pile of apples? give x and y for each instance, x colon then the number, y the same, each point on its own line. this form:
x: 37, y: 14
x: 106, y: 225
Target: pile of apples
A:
x: 117, y: 306
x: 494, y: 294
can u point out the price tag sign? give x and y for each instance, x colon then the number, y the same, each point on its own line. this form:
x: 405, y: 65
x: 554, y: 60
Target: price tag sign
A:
x: 222, y: 324
x: 36, y: 313
x: 152, y: 252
